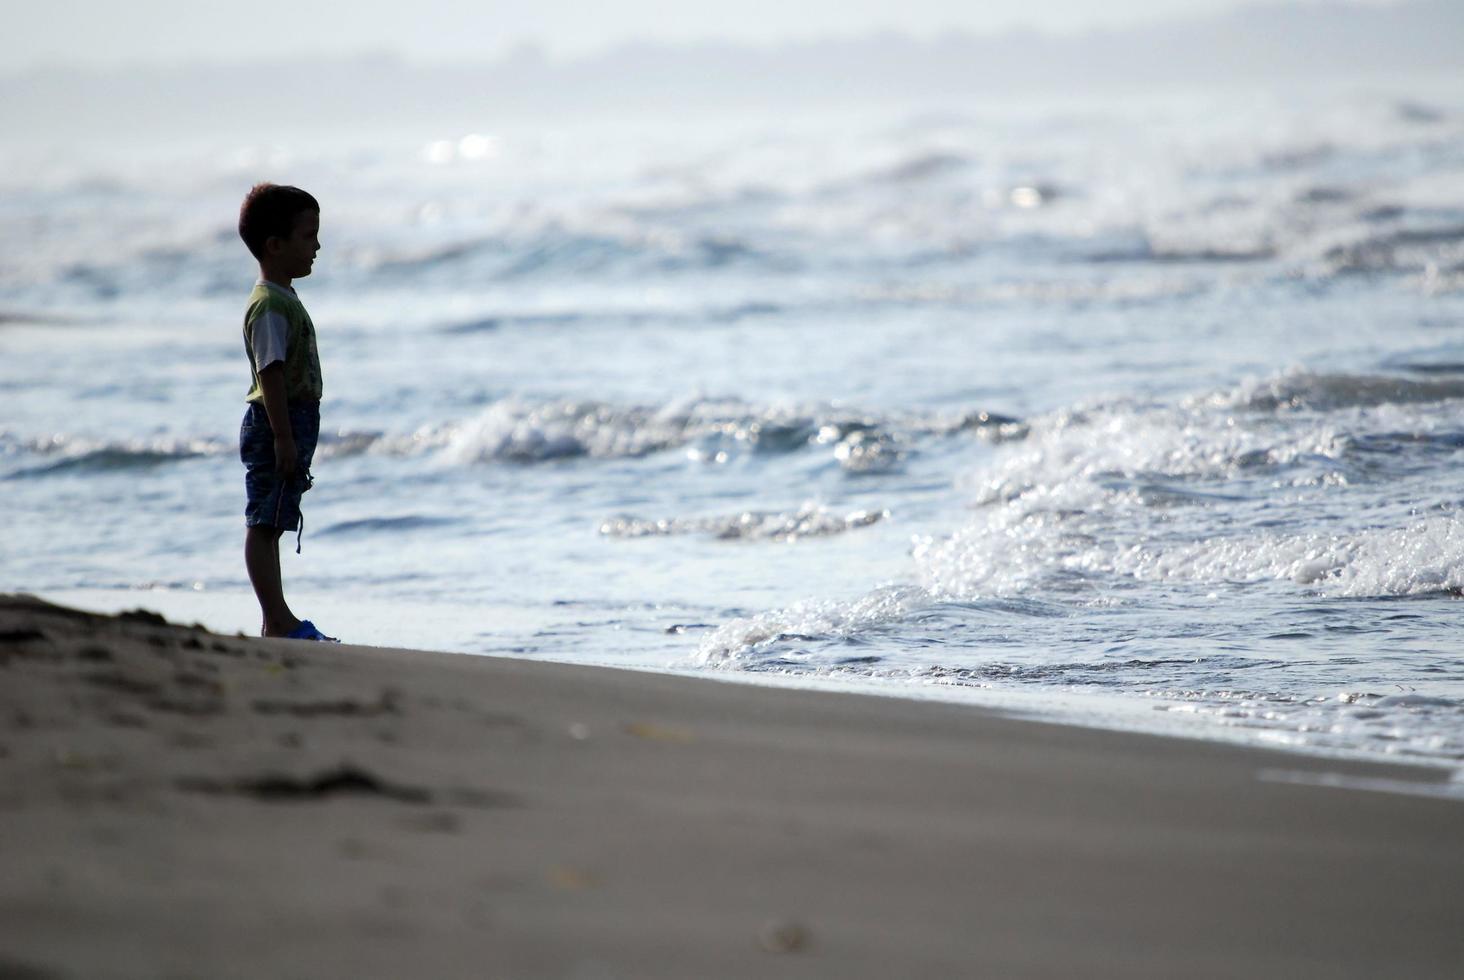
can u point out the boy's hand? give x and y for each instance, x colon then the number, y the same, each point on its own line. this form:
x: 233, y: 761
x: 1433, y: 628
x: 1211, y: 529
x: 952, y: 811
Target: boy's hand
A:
x: 285, y: 456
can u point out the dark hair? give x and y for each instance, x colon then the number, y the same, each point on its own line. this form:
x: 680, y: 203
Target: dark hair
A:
x: 269, y: 211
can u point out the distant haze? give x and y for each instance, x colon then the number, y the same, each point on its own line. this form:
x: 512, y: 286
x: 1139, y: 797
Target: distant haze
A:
x: 277, y: 86
x: 106, y: 32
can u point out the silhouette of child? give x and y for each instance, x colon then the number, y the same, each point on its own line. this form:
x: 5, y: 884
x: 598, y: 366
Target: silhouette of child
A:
x: 281, y: 227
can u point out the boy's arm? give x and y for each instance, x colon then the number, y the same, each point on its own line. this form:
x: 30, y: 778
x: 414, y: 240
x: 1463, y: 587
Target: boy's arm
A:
x: 277, y: 407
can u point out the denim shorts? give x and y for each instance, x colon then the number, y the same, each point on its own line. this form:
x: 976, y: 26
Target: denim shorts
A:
x: 270, y: 501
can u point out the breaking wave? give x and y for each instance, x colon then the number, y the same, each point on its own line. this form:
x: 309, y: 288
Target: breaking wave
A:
x: 809, y: 521
x: 1325, y: 392
x: 1223, y: 489
x: 524, y: 431
x: 811, y: 620
x: 64, y: 454
x: 711, y: 430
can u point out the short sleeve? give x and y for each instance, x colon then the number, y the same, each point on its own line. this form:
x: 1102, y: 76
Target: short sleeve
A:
x: 271, y: 339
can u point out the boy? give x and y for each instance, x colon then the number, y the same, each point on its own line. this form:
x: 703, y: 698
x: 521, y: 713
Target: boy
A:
x: 281, y: 227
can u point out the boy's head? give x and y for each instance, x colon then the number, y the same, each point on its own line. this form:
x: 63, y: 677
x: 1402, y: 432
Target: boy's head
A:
x: 280, y: 226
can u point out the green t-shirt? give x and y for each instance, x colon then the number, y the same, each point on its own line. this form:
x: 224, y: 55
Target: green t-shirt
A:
x: 277, y: 328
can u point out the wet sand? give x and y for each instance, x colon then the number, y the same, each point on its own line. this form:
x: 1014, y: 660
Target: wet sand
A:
x: 175, y: 803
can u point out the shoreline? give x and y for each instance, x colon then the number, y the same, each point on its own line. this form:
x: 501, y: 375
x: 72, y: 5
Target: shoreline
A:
x: 177, y: 802
x: 1088, y: 710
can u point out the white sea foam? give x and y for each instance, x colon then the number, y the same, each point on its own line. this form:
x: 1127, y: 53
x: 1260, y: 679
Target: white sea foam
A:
x: 812, y: 520
x: 516, y: 430
x: 1422, y: 557
x: 1066, y: 454
x: 808, y: 620
x: 1081, y: 496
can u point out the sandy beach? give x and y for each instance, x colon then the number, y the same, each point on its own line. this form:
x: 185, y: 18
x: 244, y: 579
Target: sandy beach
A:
x: 181, y: 804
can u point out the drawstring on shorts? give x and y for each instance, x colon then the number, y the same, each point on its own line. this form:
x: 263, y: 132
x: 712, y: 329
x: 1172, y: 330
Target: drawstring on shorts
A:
x: 309, y: 482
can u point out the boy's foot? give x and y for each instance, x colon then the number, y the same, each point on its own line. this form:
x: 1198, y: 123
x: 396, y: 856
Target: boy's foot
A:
x: 307, y: 631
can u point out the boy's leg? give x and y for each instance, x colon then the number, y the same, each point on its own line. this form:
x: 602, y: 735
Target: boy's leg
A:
x: 262, y: 559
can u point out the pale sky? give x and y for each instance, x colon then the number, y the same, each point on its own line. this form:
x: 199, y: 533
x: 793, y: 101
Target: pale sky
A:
x: 112, y: 32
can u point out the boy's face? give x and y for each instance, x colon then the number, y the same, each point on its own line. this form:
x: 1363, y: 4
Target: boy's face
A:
x: 295, y: 255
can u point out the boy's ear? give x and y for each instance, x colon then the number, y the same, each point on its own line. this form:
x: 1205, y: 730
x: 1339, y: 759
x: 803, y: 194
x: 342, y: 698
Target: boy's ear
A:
x: 272, y: 244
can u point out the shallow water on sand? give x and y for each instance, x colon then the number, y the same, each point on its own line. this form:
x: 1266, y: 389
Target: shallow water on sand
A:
x: 1158, y: 407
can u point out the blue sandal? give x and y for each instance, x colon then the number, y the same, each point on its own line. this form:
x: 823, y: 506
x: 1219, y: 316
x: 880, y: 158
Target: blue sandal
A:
x: 307, y: 631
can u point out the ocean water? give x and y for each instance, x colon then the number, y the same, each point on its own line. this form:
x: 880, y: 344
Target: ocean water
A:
x: 1145, y: 412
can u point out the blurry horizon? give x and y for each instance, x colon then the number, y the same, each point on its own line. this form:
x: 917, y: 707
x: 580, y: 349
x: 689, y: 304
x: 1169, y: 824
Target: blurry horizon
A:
x: 92, y: 35
x: 1215, y: 45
